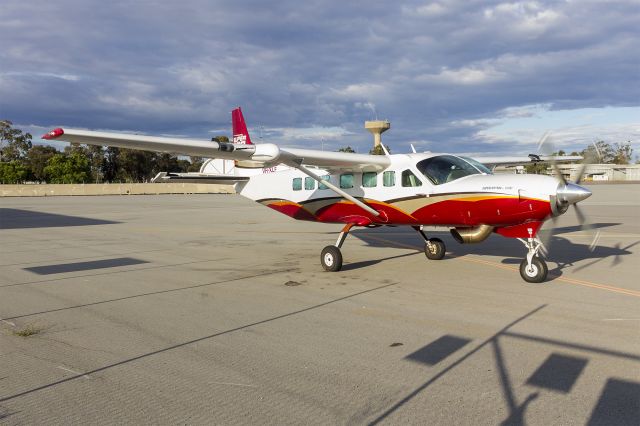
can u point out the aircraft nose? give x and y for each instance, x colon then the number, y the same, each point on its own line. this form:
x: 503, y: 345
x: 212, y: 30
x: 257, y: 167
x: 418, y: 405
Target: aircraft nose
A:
x: 570, y: 193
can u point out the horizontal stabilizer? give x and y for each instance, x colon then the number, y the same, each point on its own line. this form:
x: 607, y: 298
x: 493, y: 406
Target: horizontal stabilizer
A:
x: 164, y: 177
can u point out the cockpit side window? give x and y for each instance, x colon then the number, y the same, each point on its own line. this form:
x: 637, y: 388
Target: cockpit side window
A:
x: 478, y: 165
x: 445, y: 168
x: 409, y: 179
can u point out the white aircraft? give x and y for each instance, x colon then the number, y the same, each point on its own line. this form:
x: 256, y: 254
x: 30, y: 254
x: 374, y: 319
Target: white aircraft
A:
x: 416, y: 190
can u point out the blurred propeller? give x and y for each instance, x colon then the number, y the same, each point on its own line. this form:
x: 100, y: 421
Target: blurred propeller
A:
x: 569, y: 193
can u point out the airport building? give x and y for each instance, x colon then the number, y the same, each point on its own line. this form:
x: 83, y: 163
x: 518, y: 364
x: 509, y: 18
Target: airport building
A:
x: 593, y: 172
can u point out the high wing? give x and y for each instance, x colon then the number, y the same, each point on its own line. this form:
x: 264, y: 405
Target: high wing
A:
x: 523, y: 161
x: 267, y: 153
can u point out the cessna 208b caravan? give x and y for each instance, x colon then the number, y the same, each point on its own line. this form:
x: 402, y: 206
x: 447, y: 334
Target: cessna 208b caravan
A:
x: 416, y: 190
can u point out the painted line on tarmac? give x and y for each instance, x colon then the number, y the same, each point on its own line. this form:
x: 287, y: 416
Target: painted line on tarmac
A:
x: 568, y: 280
x: 233, y: 384
x: 72, y: 371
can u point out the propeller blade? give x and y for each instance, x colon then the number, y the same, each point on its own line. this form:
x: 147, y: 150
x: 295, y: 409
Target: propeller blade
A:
x: 543, y: 139
x: 557, y: 172
x: 589, y: 227
x: 581, y: 218
x: 547, y: 235
x: 580, y: 173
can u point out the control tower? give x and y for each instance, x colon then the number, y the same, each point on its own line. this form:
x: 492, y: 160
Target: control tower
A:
x: 377, y: 128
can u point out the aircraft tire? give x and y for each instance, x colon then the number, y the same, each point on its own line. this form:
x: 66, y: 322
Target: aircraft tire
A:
x: 537, y: 273
x: 331, y: 259
x: 434, y: 249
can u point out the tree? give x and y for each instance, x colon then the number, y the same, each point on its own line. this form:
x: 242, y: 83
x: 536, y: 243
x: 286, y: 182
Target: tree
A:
x: 13, y: 172
x: 135, y: 165
x: 377, y: 150
x: 622, y: 153
x: 110, y: 164
x: 96, y: 156
x: 68, y: 168
x: 600, y: 152
x: 195, y: 164
x: 166, y: 163
x: 537, y: 168
x: 14, y: 144
x: 346, y: 149
x: 37, y: 159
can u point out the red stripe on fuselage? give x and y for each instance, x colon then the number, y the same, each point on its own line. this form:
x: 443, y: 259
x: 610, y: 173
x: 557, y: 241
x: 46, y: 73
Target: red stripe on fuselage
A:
x: 493, y: 210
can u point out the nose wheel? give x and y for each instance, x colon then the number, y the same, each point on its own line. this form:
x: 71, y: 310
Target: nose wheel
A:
x: 533, y: 269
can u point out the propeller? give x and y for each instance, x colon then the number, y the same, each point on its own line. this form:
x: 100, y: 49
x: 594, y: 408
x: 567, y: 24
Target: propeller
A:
x: 569, y: 193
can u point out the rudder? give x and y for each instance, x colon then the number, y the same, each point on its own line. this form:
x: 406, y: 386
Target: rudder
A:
x: 240, y: 132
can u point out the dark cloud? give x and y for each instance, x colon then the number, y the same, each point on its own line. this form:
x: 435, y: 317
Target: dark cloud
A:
x: 438, y: 71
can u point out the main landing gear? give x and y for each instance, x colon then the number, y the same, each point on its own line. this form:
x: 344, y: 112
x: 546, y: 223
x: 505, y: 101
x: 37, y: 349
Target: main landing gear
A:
x: 331, y: 257
x: 533, y: 269
x: 434, y: 248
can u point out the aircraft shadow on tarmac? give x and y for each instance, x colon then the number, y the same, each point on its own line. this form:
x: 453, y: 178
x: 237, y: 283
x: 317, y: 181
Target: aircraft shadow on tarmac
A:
x: 618, y: 402
x: 21, y: 219
x: 563, y: 252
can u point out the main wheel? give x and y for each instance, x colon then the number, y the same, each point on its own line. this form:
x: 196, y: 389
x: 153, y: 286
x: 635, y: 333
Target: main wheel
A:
x: 434, y: 249
x: 537, y: 273
x: 331, y: 259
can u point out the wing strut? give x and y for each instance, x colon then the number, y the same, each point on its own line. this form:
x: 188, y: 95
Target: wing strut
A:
x: 303, y: 169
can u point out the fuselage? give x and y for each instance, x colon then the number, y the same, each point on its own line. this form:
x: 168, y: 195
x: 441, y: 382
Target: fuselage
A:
x: 415, y: 189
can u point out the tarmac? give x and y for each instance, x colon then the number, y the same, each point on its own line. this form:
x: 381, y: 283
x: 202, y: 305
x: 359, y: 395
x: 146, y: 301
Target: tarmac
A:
x: 211, y: 309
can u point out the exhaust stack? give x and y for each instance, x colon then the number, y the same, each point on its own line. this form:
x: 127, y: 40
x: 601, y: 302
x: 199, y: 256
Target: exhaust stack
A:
x: 472, y: 235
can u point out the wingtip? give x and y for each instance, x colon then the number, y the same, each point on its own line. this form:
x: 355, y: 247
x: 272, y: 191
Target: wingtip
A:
x: 55, y: 133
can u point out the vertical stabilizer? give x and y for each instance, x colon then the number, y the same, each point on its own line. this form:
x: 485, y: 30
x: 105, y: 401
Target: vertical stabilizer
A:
x: 240, y: 132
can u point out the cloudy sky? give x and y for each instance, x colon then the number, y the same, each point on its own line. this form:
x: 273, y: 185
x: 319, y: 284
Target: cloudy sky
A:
x: 461, y: 76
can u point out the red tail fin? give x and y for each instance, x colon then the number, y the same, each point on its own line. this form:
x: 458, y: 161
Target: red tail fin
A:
x: 240, y: 132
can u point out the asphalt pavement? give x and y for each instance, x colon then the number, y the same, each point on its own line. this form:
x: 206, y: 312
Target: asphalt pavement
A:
x: 211, y: 309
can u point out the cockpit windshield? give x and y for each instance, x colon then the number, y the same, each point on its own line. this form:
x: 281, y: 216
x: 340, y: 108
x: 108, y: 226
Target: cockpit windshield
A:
x: 447, y: 168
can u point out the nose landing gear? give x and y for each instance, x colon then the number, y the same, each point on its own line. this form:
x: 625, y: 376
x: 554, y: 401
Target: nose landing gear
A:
x: 533, y: 269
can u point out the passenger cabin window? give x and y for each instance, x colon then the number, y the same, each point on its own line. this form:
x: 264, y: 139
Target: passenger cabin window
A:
x: 409, y: 179
x: 389, y: 178
x: 297, y: 184
x: 369, y: 179
x: 321, y: 185
x: 346, y: 180
x: 447, y: 168
x: 309, y: 183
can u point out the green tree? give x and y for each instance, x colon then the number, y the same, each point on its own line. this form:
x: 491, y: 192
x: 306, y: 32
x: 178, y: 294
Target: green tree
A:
x: 68, y: 168
x: 13, y: 172
x: 135, y: 166
x: 195, y: 164
x: 622, y: 153
x: 37, y: 159
x: 377, y: 150
x: 110, y: 164
x: 346, y: 149
x: 220, y: 139
x: 537, y: 168
x: 14, y: 144
x: 96, y: 156
x: 600, y: 152
x: 166, y: 163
